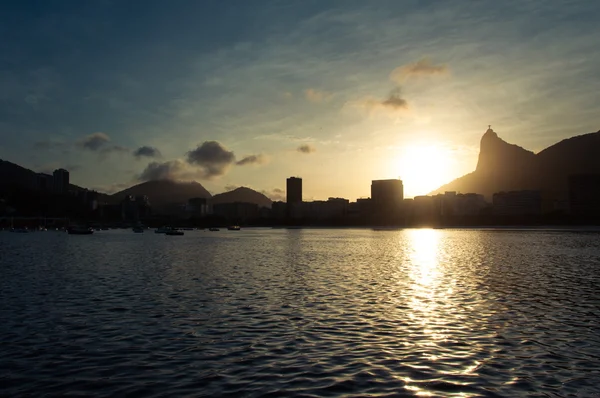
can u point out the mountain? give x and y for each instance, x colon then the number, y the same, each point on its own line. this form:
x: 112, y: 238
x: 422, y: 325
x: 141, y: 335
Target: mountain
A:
x: 164, y: 192
x: 13, y: 176
x: 506, y: 167
x: 242, y: 194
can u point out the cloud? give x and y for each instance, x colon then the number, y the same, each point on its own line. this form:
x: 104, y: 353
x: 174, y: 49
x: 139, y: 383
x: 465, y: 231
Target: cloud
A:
x: 94, y: 142
x: 275, y: 194
x: 252, y: 159
x: 147, y: 151
x: 212, y: 157
x: 112, y: 188
x: 423, y: 67
x: 394, y: 102
x: 317, y: 96
x: 170, y: 170
x: 306, y: 148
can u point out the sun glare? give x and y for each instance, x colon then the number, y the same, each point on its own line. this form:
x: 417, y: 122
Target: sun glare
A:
x: 423, y: 168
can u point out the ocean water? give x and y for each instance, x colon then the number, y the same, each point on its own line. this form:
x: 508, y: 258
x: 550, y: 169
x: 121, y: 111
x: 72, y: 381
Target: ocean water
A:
x: 315, y: 312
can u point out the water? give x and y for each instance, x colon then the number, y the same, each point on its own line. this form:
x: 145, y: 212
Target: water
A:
x: 300, y: 313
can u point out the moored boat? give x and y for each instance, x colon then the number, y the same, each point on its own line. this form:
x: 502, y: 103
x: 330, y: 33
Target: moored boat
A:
x: 79, y: 230
x: 234, y: 228
x: 174, y: 232
x: 161, y: 230
x: 213, y: 229
x: 138, y: 230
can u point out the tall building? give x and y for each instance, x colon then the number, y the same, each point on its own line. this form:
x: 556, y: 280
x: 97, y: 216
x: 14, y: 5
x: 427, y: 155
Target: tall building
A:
x: 584, y: 194
x: 387, y: 195
x: 45, y: 182
x: 61, y: 181
x: 294, y: 190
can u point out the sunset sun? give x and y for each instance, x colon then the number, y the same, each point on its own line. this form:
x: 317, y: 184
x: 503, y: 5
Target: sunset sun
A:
x: 424, y: 167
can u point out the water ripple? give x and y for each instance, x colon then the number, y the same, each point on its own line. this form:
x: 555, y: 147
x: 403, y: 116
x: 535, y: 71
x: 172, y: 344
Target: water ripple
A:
x: 309, y: 313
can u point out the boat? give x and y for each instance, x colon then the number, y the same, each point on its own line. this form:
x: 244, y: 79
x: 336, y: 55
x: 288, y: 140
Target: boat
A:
x: 174, y: 232
x: 78, y: 230
x: 20, y: 230
x: 138, y: 230
x: 234, y: 228
x: 162, y: 230
x: 213, y: 229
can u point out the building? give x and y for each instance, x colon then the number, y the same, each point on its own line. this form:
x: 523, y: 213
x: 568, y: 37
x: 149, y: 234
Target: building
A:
x: 238, y: 212
x: 278, y: 210
x: 294, y: 190
x: 469, y: 204
x: 324, y: 209
x: 387, y: 195
x: 198, y: 207
x: 61, y: 181
x: 44, y: 182
x: 135, y: 208
x: 584, y: 195
x: 517, y: 203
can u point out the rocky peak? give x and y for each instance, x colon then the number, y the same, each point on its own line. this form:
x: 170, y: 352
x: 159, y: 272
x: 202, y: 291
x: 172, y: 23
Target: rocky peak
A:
x: 496, y: 155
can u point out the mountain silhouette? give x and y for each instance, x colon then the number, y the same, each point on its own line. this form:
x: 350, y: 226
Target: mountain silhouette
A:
x: 164, y: 192
x: 13, y: 176
x: 506, y: 167
x: 242, y: 194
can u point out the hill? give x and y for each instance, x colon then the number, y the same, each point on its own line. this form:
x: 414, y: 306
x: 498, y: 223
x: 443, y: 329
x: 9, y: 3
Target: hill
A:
x: 15, y: 177
x: 242, y: 194
x: 505, y: 167
x: 164, y: 192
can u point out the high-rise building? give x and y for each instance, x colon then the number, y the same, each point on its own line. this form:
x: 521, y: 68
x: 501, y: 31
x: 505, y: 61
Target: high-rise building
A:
x: 387, y: 195
x: 294, y: 190
x: 61, y: 181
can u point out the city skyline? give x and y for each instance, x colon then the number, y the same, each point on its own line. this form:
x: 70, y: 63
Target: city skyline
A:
x: 339, y: 93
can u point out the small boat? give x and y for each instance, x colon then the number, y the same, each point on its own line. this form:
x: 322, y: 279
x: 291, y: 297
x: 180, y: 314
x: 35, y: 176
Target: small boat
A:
x: 19, y: 230
x: 138, y: 230
x: 174, y: 232
x: 78, y: 230
x: 234, y: 228
x: 161, y: 230
x: 213, y: 229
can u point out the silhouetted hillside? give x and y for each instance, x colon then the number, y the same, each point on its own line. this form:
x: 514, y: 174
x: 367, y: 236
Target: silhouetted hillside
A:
x: 13, y: 176
x: 242, y: 194
x: 505, y: 167
x: 164, y: 192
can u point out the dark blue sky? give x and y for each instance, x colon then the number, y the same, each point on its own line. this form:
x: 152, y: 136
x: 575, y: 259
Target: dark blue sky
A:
x: 265, y: 77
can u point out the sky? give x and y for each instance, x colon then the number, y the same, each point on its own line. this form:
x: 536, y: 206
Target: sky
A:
x: 248, y: 93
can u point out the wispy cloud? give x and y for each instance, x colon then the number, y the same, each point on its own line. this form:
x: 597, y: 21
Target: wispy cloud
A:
x: 275, y: 194
x: 307, y: 148
x: 394, y: 103
x: 94, y: 142
x: 421, y: 68
x: 314, y: 95
x: 113, y: 188
x: 252, y: 159
x: 146, y: 151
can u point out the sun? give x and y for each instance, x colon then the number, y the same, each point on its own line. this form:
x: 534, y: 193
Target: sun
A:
x: 424, y: 168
